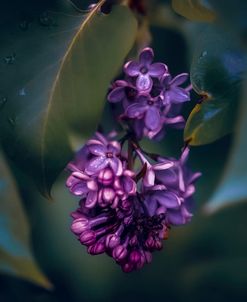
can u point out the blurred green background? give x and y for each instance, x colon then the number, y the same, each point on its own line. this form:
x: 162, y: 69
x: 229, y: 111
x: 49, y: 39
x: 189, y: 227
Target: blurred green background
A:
x: 40, y: 260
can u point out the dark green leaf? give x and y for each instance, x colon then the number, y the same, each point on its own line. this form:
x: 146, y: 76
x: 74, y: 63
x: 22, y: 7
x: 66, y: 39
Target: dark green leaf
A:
x: 193, y: 10
x: 217, y: 73
x: 233, y: 187
x: 15, y: 251
x: 39, y: 114
x: 232, y: 14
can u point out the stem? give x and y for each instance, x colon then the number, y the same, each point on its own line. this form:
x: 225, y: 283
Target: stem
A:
x: 130, y: 153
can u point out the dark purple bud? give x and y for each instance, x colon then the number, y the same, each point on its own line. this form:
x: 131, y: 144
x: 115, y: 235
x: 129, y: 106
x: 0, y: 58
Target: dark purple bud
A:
x: 127, y: 267
x: 88, y: 237
x: 119, y: 253
x: 150, y: 242
x: 106, y: 177
x: 135, y: 256
x: 112, y: 241
x: 79, y: 225
x: 97, y: 248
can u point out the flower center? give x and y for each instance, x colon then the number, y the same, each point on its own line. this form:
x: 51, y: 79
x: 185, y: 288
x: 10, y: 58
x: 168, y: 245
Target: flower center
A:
x: 150, y: 103
x: 109, y: 154
x: 130, y: 93
x: 144, y: 70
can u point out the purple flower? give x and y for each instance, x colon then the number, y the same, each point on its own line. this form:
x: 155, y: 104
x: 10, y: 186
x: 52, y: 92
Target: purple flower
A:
x: 123, y: 92
x: 104, y: 153
x: 147, y: 109
x: 144, y: 70
x: 129, y: 237
x: 171, y: 93
x: 176, y: 199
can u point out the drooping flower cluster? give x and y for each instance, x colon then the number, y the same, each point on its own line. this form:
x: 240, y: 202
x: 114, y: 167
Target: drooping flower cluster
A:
x: 123, y: 213
x: 149, y: 97
x: 129, y: 199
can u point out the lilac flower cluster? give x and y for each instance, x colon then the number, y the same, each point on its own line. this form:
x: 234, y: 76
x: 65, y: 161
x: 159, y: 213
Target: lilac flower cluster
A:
x: 149, y: 97
x: 129, y: 199
x: 121, y: 214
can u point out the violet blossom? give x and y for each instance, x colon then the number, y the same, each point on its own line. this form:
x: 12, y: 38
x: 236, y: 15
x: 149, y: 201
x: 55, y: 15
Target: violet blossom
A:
x: 129, y: 199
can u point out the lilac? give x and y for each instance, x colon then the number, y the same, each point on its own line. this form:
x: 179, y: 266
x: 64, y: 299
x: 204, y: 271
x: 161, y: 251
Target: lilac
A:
x: 144, y: 70
x: 172, y: 190
x: 171, y: 93
x: 104, y: 154
x: 149, y: 98
x: 105, y: 186
x: 126, y: 209
x: 123, y: 92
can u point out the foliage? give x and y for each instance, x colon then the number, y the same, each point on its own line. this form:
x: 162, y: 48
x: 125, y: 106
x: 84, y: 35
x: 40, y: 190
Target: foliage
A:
x: 56, y: 66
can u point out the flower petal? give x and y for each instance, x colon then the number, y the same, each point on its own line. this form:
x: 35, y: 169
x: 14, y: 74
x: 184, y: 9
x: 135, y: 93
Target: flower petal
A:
x: 91, y: 199
x: 152, y: 118
x: 114, y: 147
x: 163, y: 165
x: 146, y: 56
x: 129, y: 185
x: 157, y: 70
x: 97, y: 149
x: 116, y: 166
x: 144, y: 82
x: 149, y: 178
x: 76, y: 186
x: 136, y: 110
x: 116, y: 95
x: 132, y: 68
x: 179, y: 79
x: 96, y: 164
x: 178, y: 95
x: 168, y: 199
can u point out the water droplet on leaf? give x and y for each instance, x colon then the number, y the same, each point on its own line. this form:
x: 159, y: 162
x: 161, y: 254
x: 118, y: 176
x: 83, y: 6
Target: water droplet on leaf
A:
x: 9, y: 59
x: 3, y: 101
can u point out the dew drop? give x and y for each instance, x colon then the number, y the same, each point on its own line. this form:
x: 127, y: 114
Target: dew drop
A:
x: 22, y: 92
x: 3, y: 101
x: 203, y: 54
x: 9, y: 60
x: 24, y: 25
x: 46, y: 20
x: 12, y: 121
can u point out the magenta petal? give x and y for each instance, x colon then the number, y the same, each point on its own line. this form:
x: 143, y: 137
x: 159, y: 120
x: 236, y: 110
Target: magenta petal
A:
x: 114, y: 147
x: 76, y: 186
x: 175, y: 217
x: 178, y: 95
x: 174, y: 120
x: 96, y: 164
x: 168, y: 199
x: 91, y: 199
x: 116, y: 166
x: 136, y: 110
x: 179, y: 79
x: 164, y: 165
x: 129, y: 185
x: 116, y: 95
x: 144, y: 82
x: 152, y: 118
x: 149, y: 178
x: 97, y: 149
x: 132, y: 68
x: 146, y: 56
x: 157, y: 70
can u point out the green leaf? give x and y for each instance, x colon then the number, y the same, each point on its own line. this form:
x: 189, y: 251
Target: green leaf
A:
x: 193, y: 10
x: 64, y: 260
x: 232, y: 15
x: 15, y: 250
x: 58, y: 97
x: 233, y: 187
x: 217, y: 72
